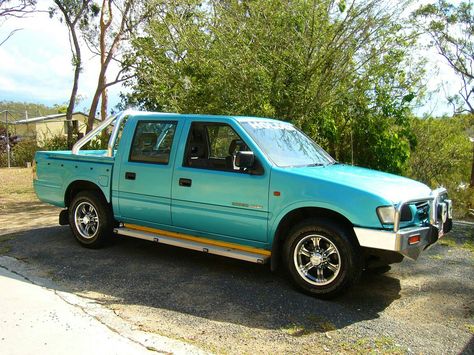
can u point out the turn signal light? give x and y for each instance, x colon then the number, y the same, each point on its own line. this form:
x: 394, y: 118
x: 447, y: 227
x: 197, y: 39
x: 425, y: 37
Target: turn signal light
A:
x: 414, y: 239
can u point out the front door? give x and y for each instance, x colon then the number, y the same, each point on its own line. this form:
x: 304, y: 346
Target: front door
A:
x: 211, y: 195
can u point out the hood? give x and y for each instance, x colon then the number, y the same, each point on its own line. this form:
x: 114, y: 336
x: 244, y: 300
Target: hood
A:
x: 390, y: 187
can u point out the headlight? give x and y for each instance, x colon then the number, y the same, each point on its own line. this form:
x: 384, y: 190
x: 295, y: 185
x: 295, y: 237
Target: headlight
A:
x: 386, y: 214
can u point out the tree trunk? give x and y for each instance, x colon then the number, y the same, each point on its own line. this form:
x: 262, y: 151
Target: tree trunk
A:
x: 76, y: 57
x: 101, y: 90
x: 106, y: 56
x: 72, y: 100
x: 70, y: 107
x: 94, y: 105
x: 103, y: 104
x: 472, y: 168
x: 104, y: 25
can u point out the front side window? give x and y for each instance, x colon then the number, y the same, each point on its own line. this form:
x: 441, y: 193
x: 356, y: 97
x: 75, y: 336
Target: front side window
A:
x: 152, y: 142
x: 285, y: 145
x: 213, y: 146
x: 220, y: 140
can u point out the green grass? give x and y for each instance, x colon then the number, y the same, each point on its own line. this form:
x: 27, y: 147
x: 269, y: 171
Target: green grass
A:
x: 470, y: 328
x: 4, y: 247
x: 315, y: 324
x: 379, y: 345
x: 327, y: 326
x: 16, y: 185
x: 16, y: 181
x: 448, y: 243
x: 295, y: 330
x: 467, y: 245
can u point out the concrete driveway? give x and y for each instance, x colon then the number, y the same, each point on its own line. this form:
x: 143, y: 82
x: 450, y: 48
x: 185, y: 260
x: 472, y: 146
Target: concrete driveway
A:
x: 36, y: 317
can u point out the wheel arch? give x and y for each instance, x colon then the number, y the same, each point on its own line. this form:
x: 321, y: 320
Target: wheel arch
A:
x: 77, y: 186
x: 296, y: 215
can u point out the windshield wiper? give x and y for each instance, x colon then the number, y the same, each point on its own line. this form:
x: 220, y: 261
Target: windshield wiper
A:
x: 315, y: 164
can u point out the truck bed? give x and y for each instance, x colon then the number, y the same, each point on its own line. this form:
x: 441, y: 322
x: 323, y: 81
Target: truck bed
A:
x: 56, y: 171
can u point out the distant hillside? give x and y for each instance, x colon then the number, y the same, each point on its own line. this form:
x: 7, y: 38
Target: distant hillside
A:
x: 18, y: 110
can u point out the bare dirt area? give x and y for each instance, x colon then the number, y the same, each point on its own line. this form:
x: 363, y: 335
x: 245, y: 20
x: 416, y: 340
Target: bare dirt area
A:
x: 227, y: 306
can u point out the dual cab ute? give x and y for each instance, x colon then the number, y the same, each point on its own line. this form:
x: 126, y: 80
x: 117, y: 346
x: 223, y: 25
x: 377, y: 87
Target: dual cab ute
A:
x: 249, y: 188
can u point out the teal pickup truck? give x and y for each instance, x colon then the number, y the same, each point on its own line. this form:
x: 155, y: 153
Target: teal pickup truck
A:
x: 249, y: 188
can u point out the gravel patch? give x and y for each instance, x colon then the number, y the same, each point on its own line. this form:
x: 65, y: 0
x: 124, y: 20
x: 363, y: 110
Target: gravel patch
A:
x: 229, y: 306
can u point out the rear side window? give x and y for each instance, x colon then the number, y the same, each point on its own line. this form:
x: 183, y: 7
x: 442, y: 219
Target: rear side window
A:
x: 152, y: 142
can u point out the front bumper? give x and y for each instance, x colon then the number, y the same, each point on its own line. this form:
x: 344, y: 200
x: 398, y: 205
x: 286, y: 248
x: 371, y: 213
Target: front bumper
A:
x: 402, y: 240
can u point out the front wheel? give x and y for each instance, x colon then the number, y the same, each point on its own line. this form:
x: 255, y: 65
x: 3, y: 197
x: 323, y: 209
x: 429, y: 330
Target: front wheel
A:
x: 90, y: 219
x: 322, y: 258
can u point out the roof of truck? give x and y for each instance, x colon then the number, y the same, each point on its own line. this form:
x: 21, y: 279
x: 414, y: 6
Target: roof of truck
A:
x: 199, y: 116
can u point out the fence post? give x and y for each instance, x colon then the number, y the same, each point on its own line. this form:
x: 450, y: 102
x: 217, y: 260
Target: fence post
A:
x: 8, y: 139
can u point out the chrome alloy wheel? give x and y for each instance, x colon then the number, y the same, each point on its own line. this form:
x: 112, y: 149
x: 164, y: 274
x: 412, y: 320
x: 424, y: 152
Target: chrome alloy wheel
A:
x: 317, y: 260
x: 86, y: 219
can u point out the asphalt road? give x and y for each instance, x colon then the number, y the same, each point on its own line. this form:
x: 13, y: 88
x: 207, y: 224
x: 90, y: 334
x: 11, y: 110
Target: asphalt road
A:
x: 229, y: 306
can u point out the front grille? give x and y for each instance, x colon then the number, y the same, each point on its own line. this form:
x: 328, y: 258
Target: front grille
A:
x: 406, y: 215
x: 421, y: 215
x: 422, y: 210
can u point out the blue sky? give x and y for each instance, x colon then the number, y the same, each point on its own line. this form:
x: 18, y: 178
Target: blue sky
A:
x: 35, y: 63
x: 35, y: 66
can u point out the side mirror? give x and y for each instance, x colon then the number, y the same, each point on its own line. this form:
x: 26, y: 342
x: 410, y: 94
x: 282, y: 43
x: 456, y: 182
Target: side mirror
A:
x: 245, y: 160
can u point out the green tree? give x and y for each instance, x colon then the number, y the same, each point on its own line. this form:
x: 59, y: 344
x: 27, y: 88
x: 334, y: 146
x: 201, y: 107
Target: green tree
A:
x: 335, y: 69
x: 443, y: 156
x: 451, y: 28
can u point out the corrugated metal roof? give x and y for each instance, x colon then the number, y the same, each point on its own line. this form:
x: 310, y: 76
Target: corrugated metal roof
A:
x: 45, y: 118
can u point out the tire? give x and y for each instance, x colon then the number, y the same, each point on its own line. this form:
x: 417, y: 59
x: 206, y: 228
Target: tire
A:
x: 97, y: 222
x: 322, y: 258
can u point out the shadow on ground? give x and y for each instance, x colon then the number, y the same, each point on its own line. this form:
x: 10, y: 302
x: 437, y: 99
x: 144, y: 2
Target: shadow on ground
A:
x: 137, y: 272
x: 21, y: 215
x: 21, y: 206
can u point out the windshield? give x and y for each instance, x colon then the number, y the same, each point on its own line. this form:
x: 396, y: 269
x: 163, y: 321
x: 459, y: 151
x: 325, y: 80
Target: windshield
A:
x: 285, y: 145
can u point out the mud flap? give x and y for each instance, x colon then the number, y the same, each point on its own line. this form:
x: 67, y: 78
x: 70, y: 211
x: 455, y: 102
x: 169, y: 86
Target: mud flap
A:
x: 64, y: 218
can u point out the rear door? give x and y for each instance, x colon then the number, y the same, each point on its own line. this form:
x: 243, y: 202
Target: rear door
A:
x: 213, y: 196
x: 146, y: 172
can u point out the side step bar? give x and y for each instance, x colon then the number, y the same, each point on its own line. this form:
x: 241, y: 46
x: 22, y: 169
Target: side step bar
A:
x: 259, y: 256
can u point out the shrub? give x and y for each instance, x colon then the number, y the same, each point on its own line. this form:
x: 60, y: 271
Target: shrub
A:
x: 24, y: 152
x: 57, y: 142
x: 99, y: 142
x: 3, y: 159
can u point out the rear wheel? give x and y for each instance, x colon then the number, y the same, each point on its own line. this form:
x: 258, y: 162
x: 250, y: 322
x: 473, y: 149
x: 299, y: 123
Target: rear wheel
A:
x: 321, y: 258
x: 90, y: 219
